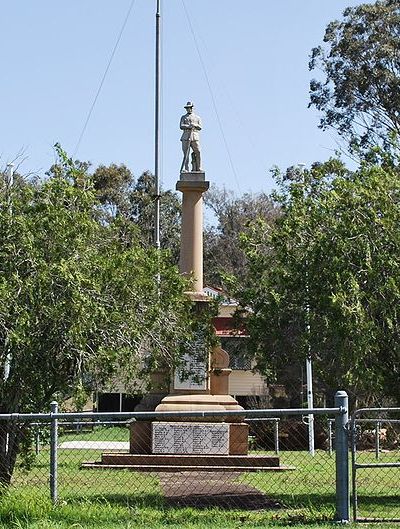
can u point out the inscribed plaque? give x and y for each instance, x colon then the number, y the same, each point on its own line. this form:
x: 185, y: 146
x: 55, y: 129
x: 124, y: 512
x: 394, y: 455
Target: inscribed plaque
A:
x: 192, y: 374
x: 190, y: 438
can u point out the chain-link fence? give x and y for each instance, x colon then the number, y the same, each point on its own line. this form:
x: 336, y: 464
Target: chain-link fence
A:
x: 376, y: 464
x: 252, y: 460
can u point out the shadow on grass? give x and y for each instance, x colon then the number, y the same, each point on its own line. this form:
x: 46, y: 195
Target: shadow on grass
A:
x: 299, y: 501
x: 380, y: 507
x: 224, y: 501
x: 272, y: 510
x: 242, y: 502
x: 393, y: 499
x: 153, y: 500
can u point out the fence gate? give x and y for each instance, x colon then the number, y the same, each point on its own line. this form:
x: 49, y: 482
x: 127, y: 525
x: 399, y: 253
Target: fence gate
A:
x: 375, y: 442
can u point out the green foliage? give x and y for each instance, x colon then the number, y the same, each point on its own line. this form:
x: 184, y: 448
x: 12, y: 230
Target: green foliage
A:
x: 133, y: 202
x: 77, y: 303
x: 223, y: 255
x: 360, y: 95
x: 331, y: 261
x: 113, y: 185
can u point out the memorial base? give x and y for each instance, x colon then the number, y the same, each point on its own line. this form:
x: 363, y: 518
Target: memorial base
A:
x: 163, y: 446
x: 166, y: 446
x: 186, y: 463
x: 177, y: 438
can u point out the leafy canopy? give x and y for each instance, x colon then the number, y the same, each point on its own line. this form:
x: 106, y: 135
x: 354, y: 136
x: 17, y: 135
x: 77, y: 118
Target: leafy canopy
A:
x: 331, y: 261
x: 223, y: 254
x: 360, y: 62
x: 79, y: 301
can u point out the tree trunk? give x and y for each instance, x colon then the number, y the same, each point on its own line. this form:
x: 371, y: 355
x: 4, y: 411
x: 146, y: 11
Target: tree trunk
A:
x: 11, y: 434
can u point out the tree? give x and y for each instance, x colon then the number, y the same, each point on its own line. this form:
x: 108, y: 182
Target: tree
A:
x: 143, y: 213
x: 360, y: 95
x: 134, y: 201
x: 78, y: 303
x: 325, y: 278
x: 223, y: 255
x: 113, y: 185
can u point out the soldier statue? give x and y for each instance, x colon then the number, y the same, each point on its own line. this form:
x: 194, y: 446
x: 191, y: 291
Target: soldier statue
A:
x: 191, y: 125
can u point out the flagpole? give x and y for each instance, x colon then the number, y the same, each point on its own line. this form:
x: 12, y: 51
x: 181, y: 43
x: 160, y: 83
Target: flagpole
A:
x: 157, y: 130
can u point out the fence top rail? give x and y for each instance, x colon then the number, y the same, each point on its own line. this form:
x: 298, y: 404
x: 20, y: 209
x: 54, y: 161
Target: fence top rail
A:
x: 267, y: 413
x: 380, y: 419
x: 85, y: 423
x: 373, y: 410
x: 276, y: 419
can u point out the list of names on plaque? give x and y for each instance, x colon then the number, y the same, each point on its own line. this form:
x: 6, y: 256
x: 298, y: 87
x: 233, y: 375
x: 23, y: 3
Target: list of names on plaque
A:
x: 191, y: 375
x: 190, y: 438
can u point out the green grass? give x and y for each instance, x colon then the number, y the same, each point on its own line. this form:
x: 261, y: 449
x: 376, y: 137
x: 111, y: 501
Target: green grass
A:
x: 34, y: 512
x: 27, y: 512
x: 378, y: 489
x: 311, y: 485
x: 99, y: 433
x: 109, y: 499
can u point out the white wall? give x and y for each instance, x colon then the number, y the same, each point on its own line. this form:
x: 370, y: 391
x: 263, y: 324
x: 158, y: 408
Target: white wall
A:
x: 246, y: 383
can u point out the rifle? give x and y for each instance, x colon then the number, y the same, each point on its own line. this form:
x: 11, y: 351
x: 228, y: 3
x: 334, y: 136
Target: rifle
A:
x: 187, y: 151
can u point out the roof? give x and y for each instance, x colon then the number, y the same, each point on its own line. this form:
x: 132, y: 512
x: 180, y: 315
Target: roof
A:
x: 225, y: 326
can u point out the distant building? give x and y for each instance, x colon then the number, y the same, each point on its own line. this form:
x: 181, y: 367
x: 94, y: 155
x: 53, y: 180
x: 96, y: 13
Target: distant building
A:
x: 244, y: 381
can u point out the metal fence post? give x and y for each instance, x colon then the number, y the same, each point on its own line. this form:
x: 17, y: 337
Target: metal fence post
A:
x: 276, y: 436
x: 37, y: 442
x: 53, y: 452
x: 342, y: 459
x: 330, y: 444
x: 377, y: 438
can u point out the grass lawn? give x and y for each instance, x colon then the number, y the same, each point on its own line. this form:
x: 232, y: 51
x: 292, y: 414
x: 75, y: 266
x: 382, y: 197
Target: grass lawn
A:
x: 18, y: 511
x: 99, y: 433
x: 33, y: 511
x: 378, y: 489
x: 109, y: 499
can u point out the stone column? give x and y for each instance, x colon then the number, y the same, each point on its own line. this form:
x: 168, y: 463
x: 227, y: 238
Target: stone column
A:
x: 191, y: 394
x: 192, y: 185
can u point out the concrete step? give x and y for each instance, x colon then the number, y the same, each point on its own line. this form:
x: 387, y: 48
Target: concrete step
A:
x: 183, y: 468
x: 192, y: 461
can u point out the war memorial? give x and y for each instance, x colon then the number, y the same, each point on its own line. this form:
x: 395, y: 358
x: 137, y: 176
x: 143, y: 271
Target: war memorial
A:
x: 181, y: 440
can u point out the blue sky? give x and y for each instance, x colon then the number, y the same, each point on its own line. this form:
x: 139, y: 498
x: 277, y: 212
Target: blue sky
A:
x: 255, y: 52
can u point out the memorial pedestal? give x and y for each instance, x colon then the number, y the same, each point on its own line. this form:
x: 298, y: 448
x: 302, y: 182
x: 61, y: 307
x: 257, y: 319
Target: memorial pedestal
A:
x: 188, y: 438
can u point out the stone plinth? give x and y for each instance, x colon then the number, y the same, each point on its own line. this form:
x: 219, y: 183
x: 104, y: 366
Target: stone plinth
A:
x: 163, y: 437
x: 201, y: 438
x: 187, y: 463
x: 140, y: 437
x: 209, y: 403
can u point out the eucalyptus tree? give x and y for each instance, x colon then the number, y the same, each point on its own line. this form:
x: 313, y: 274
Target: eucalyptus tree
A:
x: 325, y: 278
x: 223, y: 255
x: 359, y: 93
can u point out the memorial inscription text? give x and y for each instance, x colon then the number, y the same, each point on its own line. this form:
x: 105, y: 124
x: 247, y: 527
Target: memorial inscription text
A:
x: 190, y: 438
